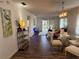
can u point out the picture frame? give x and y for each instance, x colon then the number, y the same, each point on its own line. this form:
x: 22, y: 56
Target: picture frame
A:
x: 6, y: 22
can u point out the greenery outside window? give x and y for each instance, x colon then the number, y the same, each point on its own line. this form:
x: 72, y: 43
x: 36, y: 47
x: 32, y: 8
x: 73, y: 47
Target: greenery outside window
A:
x: 63, y: 22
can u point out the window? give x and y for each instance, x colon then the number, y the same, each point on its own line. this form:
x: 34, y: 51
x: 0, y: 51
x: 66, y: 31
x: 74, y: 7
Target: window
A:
x: 63, y: 22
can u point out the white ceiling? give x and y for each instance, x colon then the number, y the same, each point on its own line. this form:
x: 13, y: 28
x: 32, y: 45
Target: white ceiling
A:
x: 48, y: 7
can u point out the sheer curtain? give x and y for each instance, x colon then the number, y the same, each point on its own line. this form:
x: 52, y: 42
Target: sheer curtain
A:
x: 77, y: 25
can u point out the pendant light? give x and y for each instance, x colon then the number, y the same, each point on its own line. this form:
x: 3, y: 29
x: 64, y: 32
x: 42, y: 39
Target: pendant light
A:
x: 63, y: 13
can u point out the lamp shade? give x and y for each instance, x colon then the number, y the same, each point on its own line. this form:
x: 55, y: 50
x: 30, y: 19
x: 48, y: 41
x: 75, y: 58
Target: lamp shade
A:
x: 63, y: 14
x: 22, y: 23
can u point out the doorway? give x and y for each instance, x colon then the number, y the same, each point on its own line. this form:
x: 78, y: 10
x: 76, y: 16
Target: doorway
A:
x: 45, y: 26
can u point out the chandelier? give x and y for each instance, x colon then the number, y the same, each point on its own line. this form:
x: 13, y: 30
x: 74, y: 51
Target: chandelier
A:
x: 63, y: 13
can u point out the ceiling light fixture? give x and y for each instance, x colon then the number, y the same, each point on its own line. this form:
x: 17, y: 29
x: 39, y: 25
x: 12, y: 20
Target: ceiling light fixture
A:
x: 23, y: 3
x: 63, y: 13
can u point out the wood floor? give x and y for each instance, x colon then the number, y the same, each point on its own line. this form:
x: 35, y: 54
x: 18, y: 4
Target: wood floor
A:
x: 39, y: 48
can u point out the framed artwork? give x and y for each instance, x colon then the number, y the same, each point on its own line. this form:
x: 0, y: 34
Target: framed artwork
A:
x: 6, y: 22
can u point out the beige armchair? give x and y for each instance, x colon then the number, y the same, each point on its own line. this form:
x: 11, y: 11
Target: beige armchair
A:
x: 73, y: 50
x: 57, y: 44
x: 74, y: 42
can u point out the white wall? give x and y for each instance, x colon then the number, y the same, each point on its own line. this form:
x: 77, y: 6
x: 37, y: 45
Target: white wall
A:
x: 23, y: 13
x: 8, y: 46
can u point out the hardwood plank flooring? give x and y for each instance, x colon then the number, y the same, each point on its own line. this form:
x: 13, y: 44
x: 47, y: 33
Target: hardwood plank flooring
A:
x: 39, y: 48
